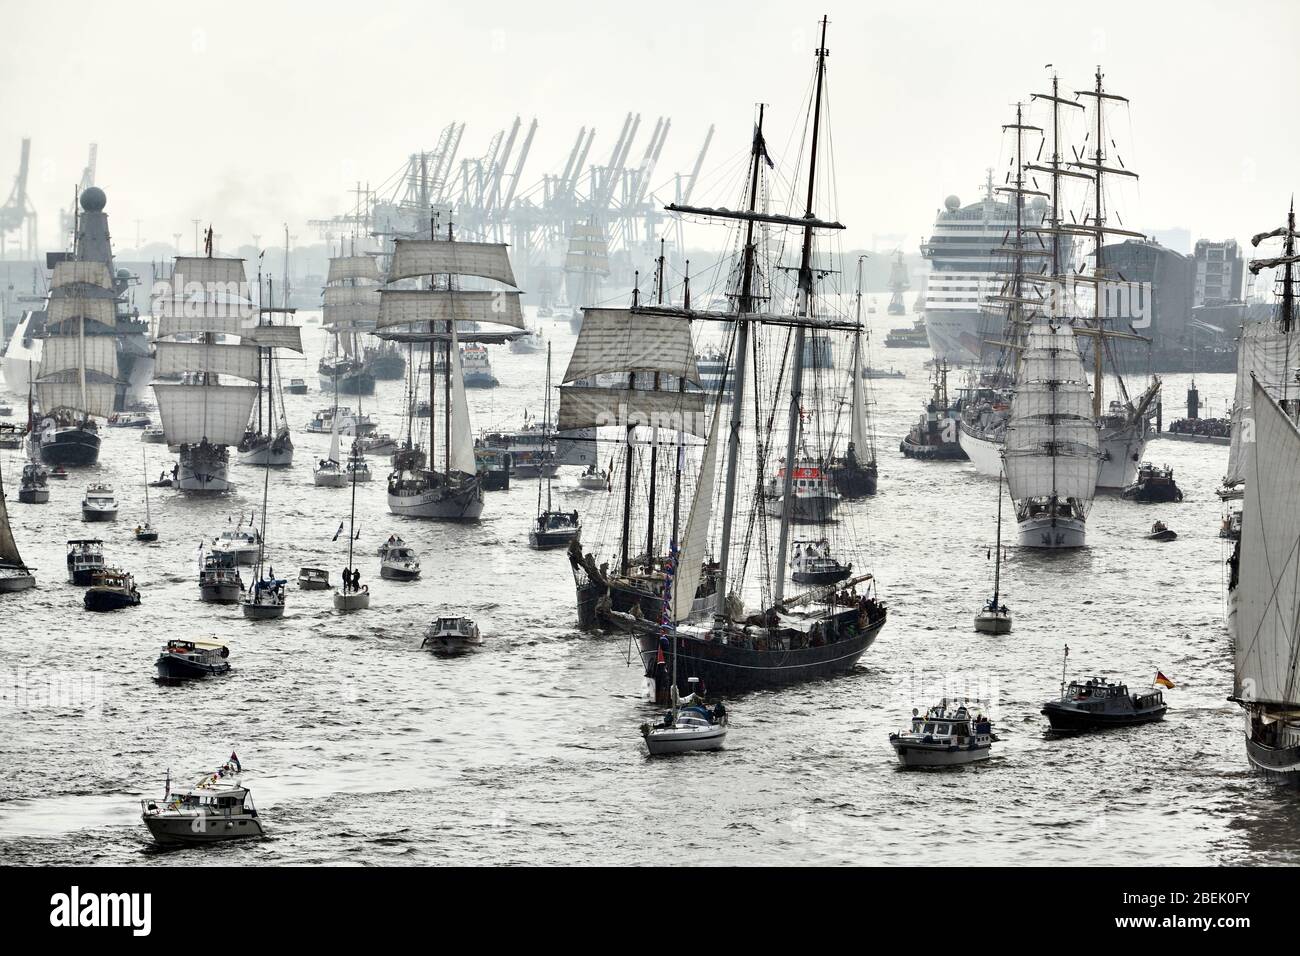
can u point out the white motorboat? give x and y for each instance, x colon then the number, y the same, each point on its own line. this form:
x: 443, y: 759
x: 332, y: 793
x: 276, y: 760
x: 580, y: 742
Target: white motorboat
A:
x: 378, y: 445
x: 99, y: 504
x: 952, y: 733
x: 241, y: 543
x: 813, y: 566
x: 394, y: 541
x: 218, y: 808
x: 129, y: 420
x: 399, y: 563
x: 531, y: 341
x: 154, y: 435
x: 452, y: 635
x: 357, y: 468
x: 313, y: 579
x: 85, y: 557
x: 219, y: 579
x: 689, y: 725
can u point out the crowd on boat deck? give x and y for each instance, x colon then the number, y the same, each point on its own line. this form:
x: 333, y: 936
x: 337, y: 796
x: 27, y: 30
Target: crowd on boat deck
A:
x: 1208, y: 427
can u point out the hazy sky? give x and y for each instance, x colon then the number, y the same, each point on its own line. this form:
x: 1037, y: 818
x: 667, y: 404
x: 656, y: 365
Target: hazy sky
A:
x: 253, y: 114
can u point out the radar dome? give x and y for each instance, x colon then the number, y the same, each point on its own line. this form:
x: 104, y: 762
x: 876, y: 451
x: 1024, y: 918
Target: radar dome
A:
x: 952, y: 204
x: 93, y: 199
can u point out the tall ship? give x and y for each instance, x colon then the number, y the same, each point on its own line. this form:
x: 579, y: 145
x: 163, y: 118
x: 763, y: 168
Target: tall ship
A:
x: 350, y: 308
x: 201, y: 307
x: 898, y: 284
x: 963, y: 273
x: 586, y: 266
x: 694, y: 603
x: 445, y: 487
x: 77, y: 378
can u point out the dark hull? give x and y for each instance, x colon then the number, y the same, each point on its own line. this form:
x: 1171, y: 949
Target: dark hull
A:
x: 731, y: 669
x: 172, y: 667
x: 819, y: 578
x: 1153, y: 494
x: 945, y: 451
x: 621, y: 598
x: 1282, y: 763
x: 549, y: 540
x: 71, y: 447
x: 388, y: 366
x: 1066, y: 718
x: 103, y: 599
x: 853, y: 480
x: 33, y: 496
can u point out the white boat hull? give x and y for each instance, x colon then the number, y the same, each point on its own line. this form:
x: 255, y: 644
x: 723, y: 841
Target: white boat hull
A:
x: 14, y: 580
x: 263, y: 612
x: 807, y: 509
x: 21, y: 361
x: 955, y: 335
x: 351, y: 601
x: 266, y: 457
x: 680, y: 740
x: 330, y: 479
x: 1121, y: 454
x: 465, y: 505
x: 98, y: 514
x: 202, y: 828
x: 205, y: 477
x: 1045, y: 531
x: 993, y: 622
x: 984, y: 454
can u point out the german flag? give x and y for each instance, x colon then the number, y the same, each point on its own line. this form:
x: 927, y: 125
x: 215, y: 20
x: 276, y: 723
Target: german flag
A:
x: 1163, y: 681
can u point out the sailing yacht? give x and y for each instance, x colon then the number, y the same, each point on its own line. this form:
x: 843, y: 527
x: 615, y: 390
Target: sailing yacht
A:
x: 994, y: 618
x: 1052, y: 452
x: 264, y: 600
x: 554, y: 529
x: 267, y: 441
x: 203, y: 414
x: 435, y: 314
x: 350, y: 307
x: 14, y: 574
x: 854, y: 475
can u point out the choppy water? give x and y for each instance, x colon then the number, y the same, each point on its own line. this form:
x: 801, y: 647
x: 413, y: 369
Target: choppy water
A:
x: 360, y: 748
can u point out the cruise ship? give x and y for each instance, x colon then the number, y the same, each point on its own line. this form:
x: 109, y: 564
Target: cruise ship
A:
x: 964, y: 271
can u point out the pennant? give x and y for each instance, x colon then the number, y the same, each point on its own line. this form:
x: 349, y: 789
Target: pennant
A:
x: 338, y: 532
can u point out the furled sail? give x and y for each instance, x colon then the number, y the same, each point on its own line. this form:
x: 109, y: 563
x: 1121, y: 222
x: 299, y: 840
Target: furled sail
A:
x: 625, y: 340
x: 461, y: 438
x: 1268, y: 615
x: 595, y: 407
x: 695, y: 543
x: 1270, y: 356
x: 405, y: 307
x: 431, y: 257
x: 192, y: 413
x: 1052, y: 447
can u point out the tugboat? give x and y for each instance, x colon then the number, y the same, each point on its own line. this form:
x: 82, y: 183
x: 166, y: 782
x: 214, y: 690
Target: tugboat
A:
x: 85, y: 557
x: 1098, y: 704
x: 99, y: 503
x: 690, y: 725
x: 111, y: 590
x: 189, y: 660
x: 1161, y: 532
x: 216, y: 809
x: 452, y: 635
x: 1153, y: 486
x: 953, y: 733
x: 815, y: 499
x: 219, y: 579
x: 476, y: 366
x: 399, y: 563
x: 313, y: 579
x: 34, y: 490
x: 937, y: 435
x: 814, y: 566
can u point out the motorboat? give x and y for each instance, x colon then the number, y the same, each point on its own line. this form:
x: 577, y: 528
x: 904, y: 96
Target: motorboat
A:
x: 1153, y: 486
x: 154, y: 435
x: 815, y: 500
x: 1097, y: 704
x: 34, y: 489
x: 813, y: 565
x: 85, y: 557
x: 218, y: 808
x: 399, y: 563
x: 1161, y: 532
x: 531, y: 341
x: 190, y: 660
x: 379, y: 445
x: 129, y: 420
x: 240, y: 542
x: 296, y: 386
x: 952, y: 733
x: 313, y: 579
x: 357, y: 469
x: 394, y: 541
x: 219, y: 579
x: 689, y: 725
x: 452, y: 634
x: 111, y: 589
x: 99, y: 504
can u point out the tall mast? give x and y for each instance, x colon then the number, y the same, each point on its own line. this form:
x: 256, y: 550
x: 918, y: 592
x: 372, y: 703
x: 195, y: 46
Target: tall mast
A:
x: 1054, y: 169
x: 804, y: 310
x: 654, y: 432
x: 446, y: 379
x: 629, y: 460
x: 997, y: 564
x: 1099, y: 220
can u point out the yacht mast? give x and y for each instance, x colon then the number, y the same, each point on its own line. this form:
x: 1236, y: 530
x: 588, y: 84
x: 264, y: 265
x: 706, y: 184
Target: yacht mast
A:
x: 800, y: 334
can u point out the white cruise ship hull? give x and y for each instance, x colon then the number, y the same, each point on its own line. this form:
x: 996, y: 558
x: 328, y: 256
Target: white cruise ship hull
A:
x: 955, y: 335
x: 985, y: 454
x: 1051, y: 532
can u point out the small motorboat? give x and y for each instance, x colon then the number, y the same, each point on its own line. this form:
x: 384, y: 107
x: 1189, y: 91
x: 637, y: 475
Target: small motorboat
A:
x: 34, y: 490
x: 264, y: 601
x: 952, y: 733
x: 394, y: 541
x: 240, y: 542
x: 554, y: 529
x: 111, y: 590
x: 1098, y: 704
x: 218, y: 808
x: 313, y: 579
x: 593, y: 479
x: 357, y: 469
x: 452, y: 635
x: 384, y: 444
x: 1153, y: 486
x: 85, y: 557
x: 128, y: 420
x: 1161, y: 532
x: 813, y: 565
x: 12, y: 435
x: 57, y: 473
x: 154, y: 436
x: 531, y: 341
x: 99, y: 503
x: 219, y: 580
x: 399, y: 563
x: 296, y: 386
x: 190, y: 660
x: 689, y: 725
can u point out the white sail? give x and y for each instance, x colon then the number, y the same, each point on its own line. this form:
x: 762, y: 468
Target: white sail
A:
x: 621, y: 340
x: 417, y: 306
x: 461, y: 437
x: 345, y: 295
x: 344, y: 268
x: 195, y: 319
x: 334, y: 440
x: 64, y: 390
x: 1268, y: 615
x: 219, y: 278
x: 1271, y: 356
x: 592, y: 407
x: 275, y: 337
x: 695, y: 543
x: 176, y: 358
x: 81, y: 271
x: 62, y: 309
x: 1052, y: 446
x: 192, y: 413
x: 425, y: 257
x: 858, y: 413
x: 98, y: 353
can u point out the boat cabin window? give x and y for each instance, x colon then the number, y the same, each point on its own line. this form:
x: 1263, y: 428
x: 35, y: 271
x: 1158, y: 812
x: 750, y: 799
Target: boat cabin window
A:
x: 944, y: 730
x: 929, y: 728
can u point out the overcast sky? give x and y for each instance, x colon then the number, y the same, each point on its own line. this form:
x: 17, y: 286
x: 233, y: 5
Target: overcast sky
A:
x: 254, y: 114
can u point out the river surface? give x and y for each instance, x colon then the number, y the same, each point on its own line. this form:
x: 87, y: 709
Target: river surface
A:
x: 360, y: 748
